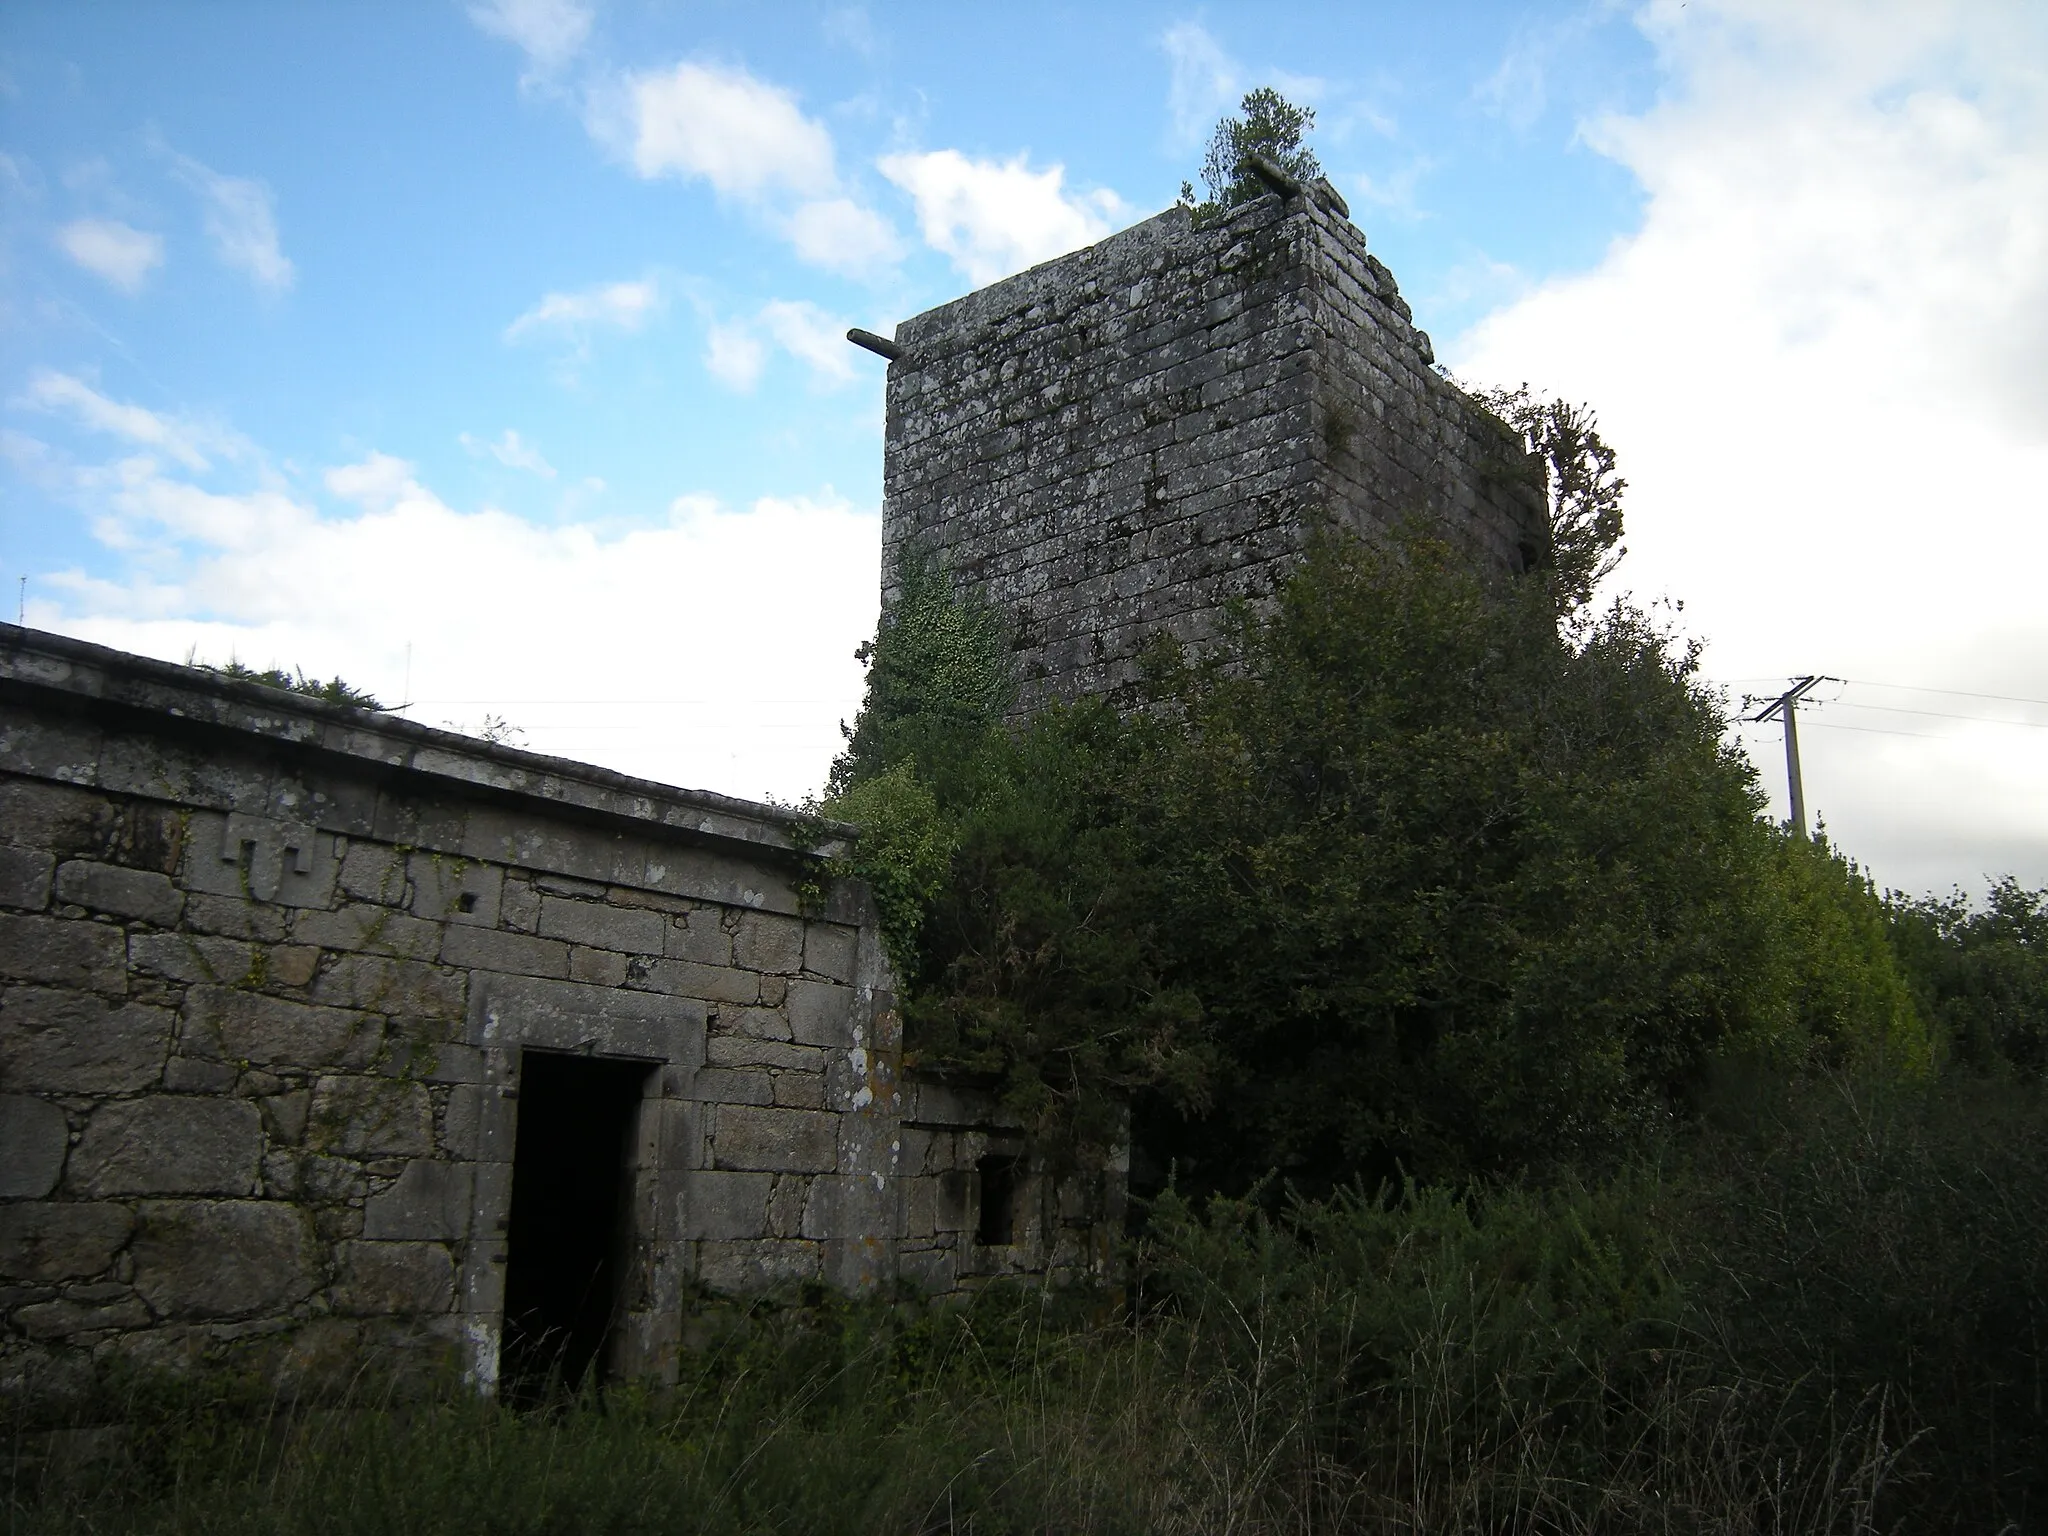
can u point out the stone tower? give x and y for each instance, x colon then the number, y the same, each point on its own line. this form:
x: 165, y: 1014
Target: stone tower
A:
x: 1126, y: 438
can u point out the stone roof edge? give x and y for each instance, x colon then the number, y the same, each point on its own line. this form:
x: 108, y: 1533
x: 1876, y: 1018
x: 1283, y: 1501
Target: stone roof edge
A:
x: 1332, y: 223
x: 1004, y: 292
x: 39, y: 660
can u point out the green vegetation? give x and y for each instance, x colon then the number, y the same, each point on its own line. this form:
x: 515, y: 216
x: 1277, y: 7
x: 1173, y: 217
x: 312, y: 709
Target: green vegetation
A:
x: 1474, y: 1021
x: 1584, y: 490
x: 1818, y: 1311
x: 1272, y: 126
x: 1529, y: 1136
x: 1404, y: 879
x: 1555, y: 1145
x: 332, y: 691
x: 1981, y: 974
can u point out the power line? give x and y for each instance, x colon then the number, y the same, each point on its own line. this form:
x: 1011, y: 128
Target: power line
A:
x: 1864, y: 682
x: 2002, y: 698
x: 1940, y: 714
x: 1872, y: 730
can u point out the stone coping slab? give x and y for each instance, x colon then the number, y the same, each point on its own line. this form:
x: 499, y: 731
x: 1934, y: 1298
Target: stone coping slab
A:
x: 186, y: 698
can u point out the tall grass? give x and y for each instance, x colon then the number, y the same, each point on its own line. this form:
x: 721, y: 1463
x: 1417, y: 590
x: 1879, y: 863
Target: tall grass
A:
x: 1222, y: 1425
x: 1823, y: 1315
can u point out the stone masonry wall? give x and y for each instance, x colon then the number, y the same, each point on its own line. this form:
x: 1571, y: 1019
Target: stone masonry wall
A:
x: 1123, y: 440
x: 268, y: 972
x: 1060, y: 1226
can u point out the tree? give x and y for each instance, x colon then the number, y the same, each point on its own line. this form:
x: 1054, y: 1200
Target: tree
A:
x: 1271, y: 126
x: 1455, y: 894
x: 1009, y: 891
x: 1402, y: 878
x: 1584, y: 489
x: 1044, y: 957
x: 1982, y: 972
x: 1422, y: 870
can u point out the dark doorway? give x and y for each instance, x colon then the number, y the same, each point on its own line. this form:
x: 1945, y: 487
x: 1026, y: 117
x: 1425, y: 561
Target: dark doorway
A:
x: 997, y: 1223
x: 567, y: 1236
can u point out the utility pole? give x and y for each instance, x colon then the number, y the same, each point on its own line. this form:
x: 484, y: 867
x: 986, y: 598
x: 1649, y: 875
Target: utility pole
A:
x: 1786, y: 707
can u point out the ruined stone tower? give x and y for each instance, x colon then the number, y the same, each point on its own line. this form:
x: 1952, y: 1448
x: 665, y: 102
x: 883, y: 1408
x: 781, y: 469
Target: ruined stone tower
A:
x: 1128, y: 437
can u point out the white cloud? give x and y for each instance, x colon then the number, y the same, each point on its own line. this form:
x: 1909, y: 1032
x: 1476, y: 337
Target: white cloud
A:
x: 512, y: 451
x: 734, y: 354
x: 850, y: 27
x: 240, y: 220
x: 997, y: 217
x: 744, y: 136
x: 1519, y: 88
x: 189, y: 442
x: 736, y: 350
x: 776, y: 597
x: 1824, y: 359
x: 752, y: 143
x: 1395, y: 191
x: 118, y: 253
x: 32, y: 458
x: 141, y: 508
x: 842, y: 236
x: 811, y: 336
x: 375, y: 483
x: 1476, y: 283
x: 549, y: 32
x: 19, y: 172
x: 1206, y: 81
x: 614, y: 306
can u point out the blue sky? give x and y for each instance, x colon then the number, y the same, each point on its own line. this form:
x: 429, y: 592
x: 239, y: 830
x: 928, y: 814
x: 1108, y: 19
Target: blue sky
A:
x: 490, y: 353
x: 431, y: 183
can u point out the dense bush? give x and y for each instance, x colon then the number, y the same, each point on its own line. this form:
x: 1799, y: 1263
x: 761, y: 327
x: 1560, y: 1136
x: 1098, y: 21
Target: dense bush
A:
x: 1405, y: 877
x: 1455, y: 892
x: 1869, y: 1238
x: 1981, y: 973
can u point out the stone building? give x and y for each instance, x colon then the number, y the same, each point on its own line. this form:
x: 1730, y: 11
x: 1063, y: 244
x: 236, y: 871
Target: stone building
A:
x: 319, y: 1028
x: 1123, y: 440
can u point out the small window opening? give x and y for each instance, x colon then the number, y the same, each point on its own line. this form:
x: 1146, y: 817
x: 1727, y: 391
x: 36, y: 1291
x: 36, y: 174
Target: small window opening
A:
x: 997, y: 1224
x: 566, y: 1246
x: 466, y: 902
